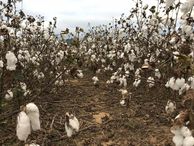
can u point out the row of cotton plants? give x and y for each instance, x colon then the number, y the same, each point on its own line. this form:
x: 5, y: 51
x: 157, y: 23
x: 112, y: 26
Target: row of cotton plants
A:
x: 146, y: 48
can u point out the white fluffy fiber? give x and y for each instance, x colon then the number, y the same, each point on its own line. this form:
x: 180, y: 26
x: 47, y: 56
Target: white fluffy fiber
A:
x: 11, y: 61
x: 73, y: 126
x: 169, y: 3
x: 187, y: 6
x: 182, y: 137
x: 33, y: 113
x: 23, y: 128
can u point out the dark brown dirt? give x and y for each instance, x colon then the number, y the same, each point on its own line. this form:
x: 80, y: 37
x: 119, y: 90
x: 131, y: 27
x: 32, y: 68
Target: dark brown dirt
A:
x: 143, y: 123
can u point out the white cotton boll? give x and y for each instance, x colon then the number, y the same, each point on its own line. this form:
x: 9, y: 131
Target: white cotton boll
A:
x: 136, y: 82
x: 169, y: 3
x: 123, y: 81
x: 80, y: 74
x: 1, y: 64
x: 191, y: 82
x: 122, y: 102
x: 145, y: 6
x: 184, y: 88
x: 71, y: 124
x: 95, y: 80
x: 137, y: 72
x: 178, y: 140
x: 59, y: 56
x: 185, y: 131
x: 131, y: 67
x: 187, y: 6
x: 170, y: 107
x: 173, y: 40
x: 33, y: 113
x: 176, y: 130
x: 171, y: 83
x: 151, y: 82
x: 23, y: 128
x: 157, y: 73
x: 40, y: 75
x: 180, y: 82
x: 124, y: 92
x: 188, y: 141
x: 187, y: 29
x: 9, y: 95
x: 11, y: 61
x: 23, y: 86
x: 167, y: 85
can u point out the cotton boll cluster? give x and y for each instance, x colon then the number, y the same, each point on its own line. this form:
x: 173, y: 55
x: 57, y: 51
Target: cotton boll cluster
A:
x: 71, y: 124
x: 182, y: 136
x: 11, y: 61
x: 175, y: 84
x: 28, y: 119
x: 9, y: 95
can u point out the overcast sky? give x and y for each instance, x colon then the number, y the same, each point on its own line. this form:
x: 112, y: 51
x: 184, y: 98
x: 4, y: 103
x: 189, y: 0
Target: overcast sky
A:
x: 72, y: 13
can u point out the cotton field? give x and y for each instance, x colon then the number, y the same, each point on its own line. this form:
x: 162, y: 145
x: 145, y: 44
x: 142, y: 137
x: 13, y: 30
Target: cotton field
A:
x: 128, y: 83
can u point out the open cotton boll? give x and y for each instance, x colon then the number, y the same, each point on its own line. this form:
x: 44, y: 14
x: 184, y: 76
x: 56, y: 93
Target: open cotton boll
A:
x: 157, y: 73
x: 187, y: 6
x: 188, y: 141
x: 180, y: 82
x: 9, y: 95
x: 80, y: 74
x: 187, y: 29
x: 178, y: 140
x: 191, y: 82
x: 185, y: 131
x: 184, y: 88
x: 33, y: 113
x: 95, y: 80
x: 170, y: 107
x: 23, y: 128
x: 1, y: 64
x: 11, y: 61
x: 71, y: 124
x: 169, y: 3
x: 151, y: 81
x: 137, y: 82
